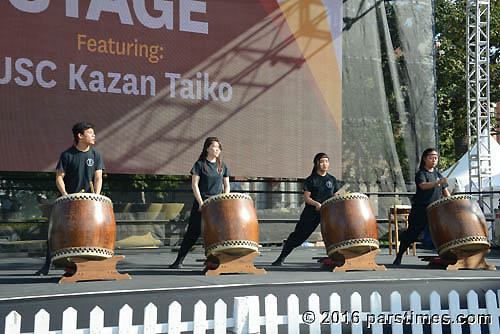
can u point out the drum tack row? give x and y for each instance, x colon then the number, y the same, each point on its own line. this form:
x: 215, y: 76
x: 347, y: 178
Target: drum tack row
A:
x: 82, y: 234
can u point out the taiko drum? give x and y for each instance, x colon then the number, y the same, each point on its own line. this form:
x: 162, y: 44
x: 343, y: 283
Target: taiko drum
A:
x: 230, y: 225
x: 82, y: 225
x: 348, y: 223
x: 457, y: 223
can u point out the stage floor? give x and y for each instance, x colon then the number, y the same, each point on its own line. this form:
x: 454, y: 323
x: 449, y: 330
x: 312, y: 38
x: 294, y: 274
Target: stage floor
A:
x: 153, y: 282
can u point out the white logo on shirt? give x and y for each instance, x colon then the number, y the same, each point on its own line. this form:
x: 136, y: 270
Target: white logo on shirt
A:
x: 90, y: 162
x: 329, y: 184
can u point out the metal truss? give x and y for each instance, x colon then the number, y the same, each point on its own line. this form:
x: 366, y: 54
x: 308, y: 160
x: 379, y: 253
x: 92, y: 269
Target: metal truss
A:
x: 478, y: 101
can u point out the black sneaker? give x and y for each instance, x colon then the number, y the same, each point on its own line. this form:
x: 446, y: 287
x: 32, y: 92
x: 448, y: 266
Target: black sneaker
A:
x: 277, y: 263
x: 175, y: 266
x: 44, y: 271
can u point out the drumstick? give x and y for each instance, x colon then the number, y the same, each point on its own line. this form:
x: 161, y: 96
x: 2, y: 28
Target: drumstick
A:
x: 91, y: 187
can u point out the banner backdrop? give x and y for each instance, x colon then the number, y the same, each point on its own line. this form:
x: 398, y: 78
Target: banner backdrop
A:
x: 157, y: 77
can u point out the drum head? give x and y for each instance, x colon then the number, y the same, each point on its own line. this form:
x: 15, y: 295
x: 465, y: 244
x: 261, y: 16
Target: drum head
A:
x: 471, y: 244
x: 83, y: 197
x: 448, y: 199
x: 345, y: 197
x: 232, y: 247
x: 60, y: 257
x: 360, y: 246
x: 222, y: 197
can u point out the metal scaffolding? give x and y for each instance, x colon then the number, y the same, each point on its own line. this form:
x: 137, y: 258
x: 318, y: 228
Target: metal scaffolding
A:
x: 478, y: 101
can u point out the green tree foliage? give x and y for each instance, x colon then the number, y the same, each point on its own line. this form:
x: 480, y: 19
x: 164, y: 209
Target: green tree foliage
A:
x: 451, y: 62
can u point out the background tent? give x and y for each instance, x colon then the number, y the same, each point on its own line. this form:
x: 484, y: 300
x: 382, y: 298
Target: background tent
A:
x: 458, y: 181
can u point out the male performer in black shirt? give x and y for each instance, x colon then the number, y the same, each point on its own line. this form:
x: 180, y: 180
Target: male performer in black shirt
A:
x: 79, y: 170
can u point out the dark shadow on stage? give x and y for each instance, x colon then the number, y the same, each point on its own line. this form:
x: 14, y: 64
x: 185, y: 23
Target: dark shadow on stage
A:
x: 19, y: 266
x: 32, y: 280
x: 292, y: 268
x: 409, y: 266
x: 164, y: 272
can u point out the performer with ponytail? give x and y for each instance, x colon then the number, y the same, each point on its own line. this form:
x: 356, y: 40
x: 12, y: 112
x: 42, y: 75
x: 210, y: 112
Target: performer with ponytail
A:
x: 319, y: 186
x: 209, y: 177
x: 431, y: 186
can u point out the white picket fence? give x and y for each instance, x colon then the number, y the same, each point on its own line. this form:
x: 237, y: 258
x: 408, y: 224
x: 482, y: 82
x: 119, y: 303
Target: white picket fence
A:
x: 248, y: 319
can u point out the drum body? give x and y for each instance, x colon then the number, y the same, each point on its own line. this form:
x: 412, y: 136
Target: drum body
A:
x: 82, y: 225
x: 457, y: 222
x: 230, y: 225
x: 348, y: 223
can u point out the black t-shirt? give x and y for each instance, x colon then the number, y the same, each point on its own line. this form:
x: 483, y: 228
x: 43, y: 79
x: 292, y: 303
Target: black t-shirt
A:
x: 79, y: 168
x: 211, y: 181
x: 426, y: 197
x: 321, y: 187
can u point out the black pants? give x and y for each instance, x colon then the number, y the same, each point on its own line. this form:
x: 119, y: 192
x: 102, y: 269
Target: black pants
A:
x: 193, y: 231
x: 417, y: 221
x: 309, y: 220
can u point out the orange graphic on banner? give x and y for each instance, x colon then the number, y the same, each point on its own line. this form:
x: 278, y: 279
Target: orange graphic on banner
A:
x: 308, y: 22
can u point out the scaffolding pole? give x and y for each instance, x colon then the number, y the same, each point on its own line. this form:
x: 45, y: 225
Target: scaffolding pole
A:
x: 478, y: 101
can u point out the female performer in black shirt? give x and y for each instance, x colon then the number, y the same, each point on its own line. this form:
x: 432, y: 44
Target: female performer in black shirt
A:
x: 431, y: 186
x: 209, y: 177
x: 319, y: 187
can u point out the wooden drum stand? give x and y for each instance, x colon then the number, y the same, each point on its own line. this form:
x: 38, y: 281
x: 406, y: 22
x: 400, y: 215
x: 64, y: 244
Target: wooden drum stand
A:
x: 92, y: 270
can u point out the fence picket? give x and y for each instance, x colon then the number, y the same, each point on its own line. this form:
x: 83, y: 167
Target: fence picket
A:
x: 200, y: 318
x: 416, y: 308
x: 42, y: 322
x: 454, y: 307
x: 125, y: 320
x: 376, y: 310
x: 435, y: 308
x: 271, y: 311
x: 13, y: 323
x: 253, y: 314
x: 96, y: 325
x: 174, y: 318
x: 150, y: 319
x: 397, y: 328
x: 335, y: 311
x: 293, y: 318
x: 240, y: 315
x: 355, y: 316
x: 220, y: 317
x: 492, y: 308
x: 473, y: 308
x: 69, y: 321
x: 313, y: 305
